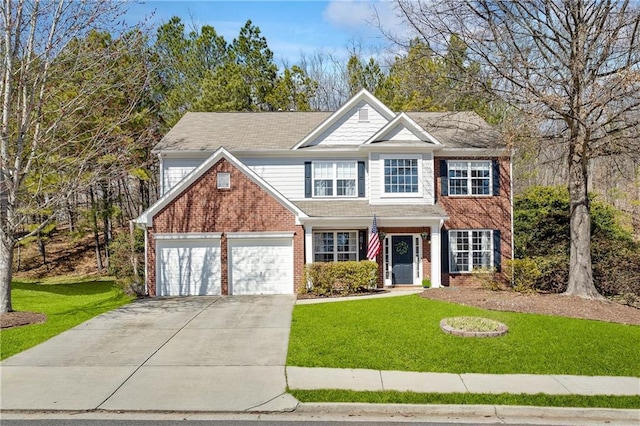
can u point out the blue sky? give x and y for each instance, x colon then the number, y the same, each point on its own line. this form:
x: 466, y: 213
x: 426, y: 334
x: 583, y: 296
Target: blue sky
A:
x: 290, y: 27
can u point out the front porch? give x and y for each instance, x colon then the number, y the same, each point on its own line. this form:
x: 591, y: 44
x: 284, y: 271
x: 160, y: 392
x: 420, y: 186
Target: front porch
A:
x: 408, y: 254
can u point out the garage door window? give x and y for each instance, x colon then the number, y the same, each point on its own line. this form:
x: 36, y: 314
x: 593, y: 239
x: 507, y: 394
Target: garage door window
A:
x: 335, y: 246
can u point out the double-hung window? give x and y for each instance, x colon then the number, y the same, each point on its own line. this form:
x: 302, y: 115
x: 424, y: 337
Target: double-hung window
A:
x: 335, y: 179
x: 401, y: 176
x: 469, y: 177
x: 335, y: 246
x: 469, y: 250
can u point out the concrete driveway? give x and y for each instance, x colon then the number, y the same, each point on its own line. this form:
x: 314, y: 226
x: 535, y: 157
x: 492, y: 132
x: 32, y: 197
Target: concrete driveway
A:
x: 183, y: 354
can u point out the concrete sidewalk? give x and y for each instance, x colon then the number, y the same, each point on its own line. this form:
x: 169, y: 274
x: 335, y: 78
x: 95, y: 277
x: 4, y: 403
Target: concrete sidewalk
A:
x: 376, y: 380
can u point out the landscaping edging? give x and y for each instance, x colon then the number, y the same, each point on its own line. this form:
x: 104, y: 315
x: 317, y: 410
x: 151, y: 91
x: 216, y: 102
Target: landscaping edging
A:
x: 501, y: 330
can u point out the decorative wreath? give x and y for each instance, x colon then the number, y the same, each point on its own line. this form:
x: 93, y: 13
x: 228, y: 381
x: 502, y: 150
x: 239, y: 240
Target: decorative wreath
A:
x: 402, y: 247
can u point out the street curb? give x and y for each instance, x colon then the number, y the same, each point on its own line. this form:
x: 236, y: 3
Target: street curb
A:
x: 500, y: 411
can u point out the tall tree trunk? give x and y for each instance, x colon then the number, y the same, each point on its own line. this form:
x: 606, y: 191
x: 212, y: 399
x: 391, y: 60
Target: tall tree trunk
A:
x: 94, y: 223
x: 6, y: 274
x: 43, y: 250
x: 72, y: 217
x: 580, y: 270
x: 106, y: 219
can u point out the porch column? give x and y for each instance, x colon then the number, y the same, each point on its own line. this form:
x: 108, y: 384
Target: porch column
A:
x: 308, y: 244
x: 436, y: 261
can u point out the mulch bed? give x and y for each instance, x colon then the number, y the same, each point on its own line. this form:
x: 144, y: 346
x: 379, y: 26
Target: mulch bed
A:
x: 549, y: 304
x: 18, y: 318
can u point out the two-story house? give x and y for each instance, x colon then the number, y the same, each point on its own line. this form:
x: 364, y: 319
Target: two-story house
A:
x: 249, y: 198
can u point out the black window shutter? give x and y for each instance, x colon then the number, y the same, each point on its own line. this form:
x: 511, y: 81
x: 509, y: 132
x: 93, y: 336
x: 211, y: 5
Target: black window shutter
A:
x: 307, y: 179
x: 496, y: 177
x: 444, y: 251
x: 362, y: 243
x: 444, y: 178
x: 361, y: 183
x: 497, y: 257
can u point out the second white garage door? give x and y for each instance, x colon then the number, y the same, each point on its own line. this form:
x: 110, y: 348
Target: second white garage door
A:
x: 261, y: 265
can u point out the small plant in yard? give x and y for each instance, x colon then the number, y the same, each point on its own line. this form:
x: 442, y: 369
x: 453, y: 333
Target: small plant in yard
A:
x: 426, y: 283
x: 488, y: 278
x: 523, y: 273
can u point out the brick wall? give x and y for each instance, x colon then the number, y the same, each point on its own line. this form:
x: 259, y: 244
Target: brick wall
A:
x: 489, y: 212
x: 245, y: 207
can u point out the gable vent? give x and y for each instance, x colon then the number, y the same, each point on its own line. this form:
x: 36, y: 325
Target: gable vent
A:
x: 363, y: 114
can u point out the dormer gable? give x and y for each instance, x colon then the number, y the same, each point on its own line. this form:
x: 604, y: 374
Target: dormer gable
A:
x: 355, y: 122
x: 402, y: 129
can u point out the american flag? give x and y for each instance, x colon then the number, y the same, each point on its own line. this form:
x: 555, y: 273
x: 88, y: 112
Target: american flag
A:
x: 374, y: 242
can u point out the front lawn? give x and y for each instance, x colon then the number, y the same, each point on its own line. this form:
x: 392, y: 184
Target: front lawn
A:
x: 402, y: 333
x: 67, y: 303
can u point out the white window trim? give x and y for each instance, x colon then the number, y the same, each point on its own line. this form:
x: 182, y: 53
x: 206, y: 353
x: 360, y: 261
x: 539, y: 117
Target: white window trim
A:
x: 419, y: 164
x: 335, y: 245
x: 418, y: 270
x: 334, y: 178
x: 470, y: 251
x: 223, y: 180
x: 469, y: 178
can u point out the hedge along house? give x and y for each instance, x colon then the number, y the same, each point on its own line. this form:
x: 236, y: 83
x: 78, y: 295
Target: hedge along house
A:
x: 247, y: 199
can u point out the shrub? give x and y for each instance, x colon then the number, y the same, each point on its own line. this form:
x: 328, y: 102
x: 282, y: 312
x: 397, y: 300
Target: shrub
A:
x: 554, y: 273
x: 126, y: 263
x: 523, y: 274
x: 426, y: 283
x: 616, y: 268
x: 328, y: 278
x: 488, y: 278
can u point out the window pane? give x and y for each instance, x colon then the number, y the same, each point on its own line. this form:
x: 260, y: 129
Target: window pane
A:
x: 469, y: 177
x: 323, y: 246
x: 323, y: 188
x: 322, y: 170
x: 346, y: 187
x: 480, y: 177
x: 346, y: 170
x: 470, y: 250
x: 335, y: 246
x: 401, y: 175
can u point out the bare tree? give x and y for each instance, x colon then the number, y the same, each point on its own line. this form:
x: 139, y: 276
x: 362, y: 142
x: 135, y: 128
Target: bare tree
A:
x: 572, y: 66
x: 48, y: 150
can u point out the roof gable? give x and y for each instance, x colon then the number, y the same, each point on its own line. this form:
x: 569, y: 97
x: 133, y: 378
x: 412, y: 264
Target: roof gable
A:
x: 346, y: 120
x: 146, y: 218
x: 402, y: 129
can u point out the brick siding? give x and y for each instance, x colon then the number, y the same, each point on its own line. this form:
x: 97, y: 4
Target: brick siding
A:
x: 473, y: 212
x: 245, y: 207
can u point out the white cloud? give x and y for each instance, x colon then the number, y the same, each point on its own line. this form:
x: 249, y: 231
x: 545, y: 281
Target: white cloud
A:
x: 366, y: 18
x: 349, y: 14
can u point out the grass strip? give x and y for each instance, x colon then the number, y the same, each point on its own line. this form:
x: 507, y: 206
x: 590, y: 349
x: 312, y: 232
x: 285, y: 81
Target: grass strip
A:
x: 538, y: 400
x: 66, y: 303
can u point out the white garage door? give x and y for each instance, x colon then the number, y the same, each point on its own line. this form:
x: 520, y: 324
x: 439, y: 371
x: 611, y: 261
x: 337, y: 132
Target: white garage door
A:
x: 261, y: 266
x: 188, y: 268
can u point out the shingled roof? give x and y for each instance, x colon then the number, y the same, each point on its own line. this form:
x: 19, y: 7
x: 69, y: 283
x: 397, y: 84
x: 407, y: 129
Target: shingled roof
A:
x: 240, y: 131
x: 362, y: 208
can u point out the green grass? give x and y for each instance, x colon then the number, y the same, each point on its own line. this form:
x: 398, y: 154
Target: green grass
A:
x: 66, y: 302
x: 402, y: 333
x: 539, y: 400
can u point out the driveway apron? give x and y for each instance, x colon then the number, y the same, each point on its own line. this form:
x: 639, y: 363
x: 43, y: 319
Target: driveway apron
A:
x: 177, y: 354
